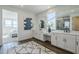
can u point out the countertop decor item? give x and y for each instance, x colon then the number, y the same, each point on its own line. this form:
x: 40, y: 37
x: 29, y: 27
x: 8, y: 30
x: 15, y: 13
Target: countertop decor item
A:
x: 49, y: 29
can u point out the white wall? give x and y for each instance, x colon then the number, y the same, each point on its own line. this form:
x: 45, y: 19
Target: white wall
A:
x: 22, y: 34
x: 41, y: 16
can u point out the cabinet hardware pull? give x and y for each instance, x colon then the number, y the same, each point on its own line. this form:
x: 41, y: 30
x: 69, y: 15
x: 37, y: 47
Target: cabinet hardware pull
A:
x: 77, y: 43
x: 64, y: 40
x: 56, y: 38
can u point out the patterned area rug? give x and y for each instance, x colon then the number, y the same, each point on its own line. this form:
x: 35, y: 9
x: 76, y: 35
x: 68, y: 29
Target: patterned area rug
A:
x: 30, y: 48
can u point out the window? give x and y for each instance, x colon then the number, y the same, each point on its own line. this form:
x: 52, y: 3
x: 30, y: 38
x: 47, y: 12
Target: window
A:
x: 9, y: 19
x: 8, y: 23
x: 14, y: 23
x: 51, y: 20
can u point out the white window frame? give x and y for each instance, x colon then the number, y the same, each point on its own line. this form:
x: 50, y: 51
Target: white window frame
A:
x: 51, y: 20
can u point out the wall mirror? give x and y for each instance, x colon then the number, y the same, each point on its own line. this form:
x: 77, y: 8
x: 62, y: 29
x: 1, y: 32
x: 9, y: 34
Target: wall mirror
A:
x: 59, y: 24
x: 63, y: 23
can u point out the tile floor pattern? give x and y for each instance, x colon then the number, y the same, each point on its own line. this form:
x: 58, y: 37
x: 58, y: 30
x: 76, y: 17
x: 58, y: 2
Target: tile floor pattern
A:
x: 29, y: 48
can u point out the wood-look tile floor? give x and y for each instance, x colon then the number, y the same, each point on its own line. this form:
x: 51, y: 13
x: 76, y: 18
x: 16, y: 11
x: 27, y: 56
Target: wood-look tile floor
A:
x: 31, y: 46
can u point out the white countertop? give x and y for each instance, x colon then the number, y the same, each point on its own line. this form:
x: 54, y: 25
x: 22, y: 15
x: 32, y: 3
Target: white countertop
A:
x: 61, y: 31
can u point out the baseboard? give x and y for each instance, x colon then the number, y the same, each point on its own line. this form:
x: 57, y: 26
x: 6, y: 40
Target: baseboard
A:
x: 25, y: 39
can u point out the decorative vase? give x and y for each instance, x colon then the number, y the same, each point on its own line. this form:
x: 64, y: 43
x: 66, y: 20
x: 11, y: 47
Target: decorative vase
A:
x: 49, y: 29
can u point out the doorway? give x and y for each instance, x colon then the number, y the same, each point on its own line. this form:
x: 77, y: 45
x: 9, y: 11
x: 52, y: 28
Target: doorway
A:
x: 9, y: 26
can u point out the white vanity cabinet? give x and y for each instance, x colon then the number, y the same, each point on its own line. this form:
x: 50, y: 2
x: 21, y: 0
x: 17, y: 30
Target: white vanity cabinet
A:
x: 54, y: 39
x: 38, y: 35
x: 57, y: 40
x: 64, y: 41
x: 77, y: 44
x: 35, y: 34
x: 60, y: 40
x: 41, y: 36
x: 70, y: 42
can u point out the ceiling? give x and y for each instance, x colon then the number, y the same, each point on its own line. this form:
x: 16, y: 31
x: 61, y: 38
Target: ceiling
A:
x: 34, y: 8
x: 66, y: 9
x: 39, y: 8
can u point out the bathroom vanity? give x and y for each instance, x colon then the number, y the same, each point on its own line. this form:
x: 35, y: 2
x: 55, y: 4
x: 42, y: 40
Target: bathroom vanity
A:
x: 67, y: 41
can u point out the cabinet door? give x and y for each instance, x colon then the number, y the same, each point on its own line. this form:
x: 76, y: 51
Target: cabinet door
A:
x: 54, y: 39
x: 77, y: 44
x: 41, y: 37
x: 60, y: 41
x: 38, y: 35
x: 70, y: 43
x: 35, y: 35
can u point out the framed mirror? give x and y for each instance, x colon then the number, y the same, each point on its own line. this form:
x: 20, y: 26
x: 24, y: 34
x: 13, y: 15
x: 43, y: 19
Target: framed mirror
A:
x: 59, y: 24
x: 63, y: 23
